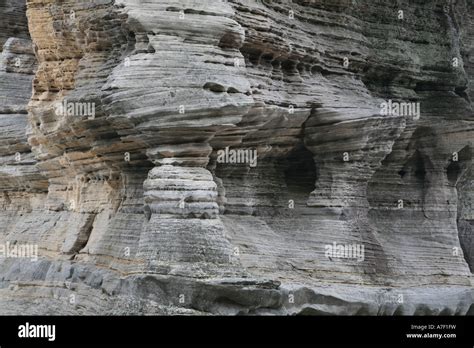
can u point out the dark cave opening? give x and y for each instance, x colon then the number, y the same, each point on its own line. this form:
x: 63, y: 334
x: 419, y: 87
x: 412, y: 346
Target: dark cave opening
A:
x: 300, y: 171
x: 414, y: 168
x: 453, y: 171
x: 278, y: 186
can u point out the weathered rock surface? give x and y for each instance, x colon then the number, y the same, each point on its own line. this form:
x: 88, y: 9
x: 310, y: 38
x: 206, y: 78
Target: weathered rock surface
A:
x: 120, y: 163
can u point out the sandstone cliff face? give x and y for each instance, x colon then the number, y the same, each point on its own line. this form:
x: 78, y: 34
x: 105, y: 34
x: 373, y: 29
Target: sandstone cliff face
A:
x: 119, y: 120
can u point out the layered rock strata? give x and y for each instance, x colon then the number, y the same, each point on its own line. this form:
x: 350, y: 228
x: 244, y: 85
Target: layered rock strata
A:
x: 191, y: 157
